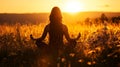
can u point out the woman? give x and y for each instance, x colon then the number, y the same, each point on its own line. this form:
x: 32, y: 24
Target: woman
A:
x: 56, y: 31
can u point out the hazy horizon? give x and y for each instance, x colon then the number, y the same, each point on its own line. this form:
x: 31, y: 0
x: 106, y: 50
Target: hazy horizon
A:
x: 62, y: 12
x: 71, y: 6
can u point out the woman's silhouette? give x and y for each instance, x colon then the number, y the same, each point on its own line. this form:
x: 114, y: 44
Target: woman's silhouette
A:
x: 56, y: 31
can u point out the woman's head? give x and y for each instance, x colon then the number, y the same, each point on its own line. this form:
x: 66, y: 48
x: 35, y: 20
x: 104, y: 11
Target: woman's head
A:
x: 55, y: 16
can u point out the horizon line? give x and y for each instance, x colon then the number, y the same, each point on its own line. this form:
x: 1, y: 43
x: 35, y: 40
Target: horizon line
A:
x: 62, y: 12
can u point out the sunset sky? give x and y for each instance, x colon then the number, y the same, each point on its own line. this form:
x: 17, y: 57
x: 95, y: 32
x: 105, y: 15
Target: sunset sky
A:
x: 37, y: 6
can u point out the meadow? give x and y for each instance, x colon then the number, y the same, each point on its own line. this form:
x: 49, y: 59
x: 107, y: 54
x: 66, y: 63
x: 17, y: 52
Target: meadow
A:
x: 98, y: 46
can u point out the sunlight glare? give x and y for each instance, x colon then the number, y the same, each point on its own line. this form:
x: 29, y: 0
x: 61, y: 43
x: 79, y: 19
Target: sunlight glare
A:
x: 73, y: 6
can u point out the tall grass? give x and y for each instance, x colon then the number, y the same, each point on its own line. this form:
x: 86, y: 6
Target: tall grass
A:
x: 99, y: 43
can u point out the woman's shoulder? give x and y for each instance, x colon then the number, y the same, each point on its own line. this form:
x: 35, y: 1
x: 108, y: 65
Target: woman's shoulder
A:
x: 64, y: 26
x: 47, y: 27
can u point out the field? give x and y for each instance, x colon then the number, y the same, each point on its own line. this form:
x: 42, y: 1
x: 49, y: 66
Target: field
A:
x: 98, y: 46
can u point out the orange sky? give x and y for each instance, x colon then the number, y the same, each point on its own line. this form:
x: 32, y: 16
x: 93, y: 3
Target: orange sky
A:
x: 36, y: 6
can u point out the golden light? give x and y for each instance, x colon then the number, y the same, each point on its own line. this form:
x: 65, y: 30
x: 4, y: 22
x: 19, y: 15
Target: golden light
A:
x: 73, y: 6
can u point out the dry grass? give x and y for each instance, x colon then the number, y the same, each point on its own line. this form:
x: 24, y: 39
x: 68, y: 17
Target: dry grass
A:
x: 99, y: 43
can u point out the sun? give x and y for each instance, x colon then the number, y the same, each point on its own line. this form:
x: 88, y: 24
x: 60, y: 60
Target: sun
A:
x: 73, y: 6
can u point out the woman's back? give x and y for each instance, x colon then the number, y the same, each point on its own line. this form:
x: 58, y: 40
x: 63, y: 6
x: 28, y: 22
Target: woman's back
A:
x: 56, y: 33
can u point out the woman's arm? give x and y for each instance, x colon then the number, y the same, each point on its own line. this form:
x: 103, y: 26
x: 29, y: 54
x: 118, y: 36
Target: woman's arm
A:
x: 43, y: 35
x: 67, y: 36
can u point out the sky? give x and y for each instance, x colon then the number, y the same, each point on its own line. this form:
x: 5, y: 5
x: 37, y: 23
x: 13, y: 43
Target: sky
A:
x: 37, y: 6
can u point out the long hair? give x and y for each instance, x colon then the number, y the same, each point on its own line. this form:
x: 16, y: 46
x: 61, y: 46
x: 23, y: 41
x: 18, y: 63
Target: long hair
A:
x: 55, y: 19
x: 55, y: 16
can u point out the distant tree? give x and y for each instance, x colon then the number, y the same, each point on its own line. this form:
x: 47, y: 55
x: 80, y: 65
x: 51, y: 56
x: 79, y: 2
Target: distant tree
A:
x: 103, y: 18
x: 87, y: 21
x: 96, y: 20
x: 115, y: 19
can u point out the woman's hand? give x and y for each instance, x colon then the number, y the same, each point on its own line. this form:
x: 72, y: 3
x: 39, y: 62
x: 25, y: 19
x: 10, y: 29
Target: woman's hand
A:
x: 79, y: 35
x: 31, y: 37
